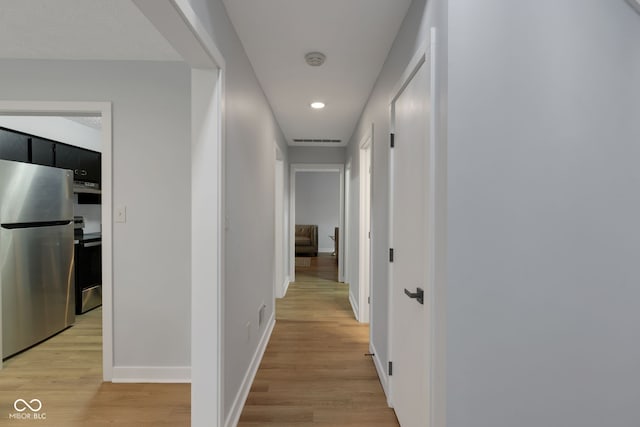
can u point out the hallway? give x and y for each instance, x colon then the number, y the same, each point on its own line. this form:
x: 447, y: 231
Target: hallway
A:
x: 314, y: 371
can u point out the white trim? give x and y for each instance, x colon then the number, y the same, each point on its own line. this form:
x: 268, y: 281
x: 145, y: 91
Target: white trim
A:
x: 104, y: 110
x: 151, y: 374
x: 206, y: 245
x: 313, y: 167
x: 365, y: 156
x: 417, y: 60
x: 245, y: 386
x: 438, y: 301
x: 346, y: 270
x: 279, y: 241
x: 325, y: 250
x: 285, y: 286
x: 354, y: 305
x: 382, y: 373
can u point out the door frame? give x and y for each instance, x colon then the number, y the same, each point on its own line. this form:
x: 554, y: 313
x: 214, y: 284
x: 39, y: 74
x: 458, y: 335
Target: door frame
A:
x: 365, y: 237
x: 435, y: 288
x: 346, y: 271
x: 279, y: 283
x: 314, y: 167
x: 103, y: 109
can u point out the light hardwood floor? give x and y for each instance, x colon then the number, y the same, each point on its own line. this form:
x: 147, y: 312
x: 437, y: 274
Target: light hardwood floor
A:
x: 315, y: 372
x: 65, y: 374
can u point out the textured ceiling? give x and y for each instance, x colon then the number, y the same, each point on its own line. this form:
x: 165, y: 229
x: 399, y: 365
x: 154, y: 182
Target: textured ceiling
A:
x: 79, y: 29
x: 355, y: 35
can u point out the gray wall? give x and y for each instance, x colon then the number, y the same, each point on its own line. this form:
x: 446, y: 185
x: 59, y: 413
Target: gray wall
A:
x: 415, y: 29
x: 249, y: 262
x: 542, y: 238
x: 151, y: 155
x: 317, y: 155
x: 543, y: 214
x: 318, y: 202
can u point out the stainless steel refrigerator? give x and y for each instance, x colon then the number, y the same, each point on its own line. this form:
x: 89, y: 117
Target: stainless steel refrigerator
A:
x: 36, y: 254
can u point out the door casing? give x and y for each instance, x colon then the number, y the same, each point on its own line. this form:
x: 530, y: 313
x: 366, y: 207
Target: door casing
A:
x: 435, y: 287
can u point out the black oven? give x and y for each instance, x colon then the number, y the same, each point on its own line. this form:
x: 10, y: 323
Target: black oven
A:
x: 88, y: 269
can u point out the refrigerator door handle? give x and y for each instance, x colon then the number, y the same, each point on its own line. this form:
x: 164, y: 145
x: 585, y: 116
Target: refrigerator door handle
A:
x: 14, y: 225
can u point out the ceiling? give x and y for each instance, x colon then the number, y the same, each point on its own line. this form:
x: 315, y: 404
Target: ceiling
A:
x: 79, y: 29
x: 355, y: 36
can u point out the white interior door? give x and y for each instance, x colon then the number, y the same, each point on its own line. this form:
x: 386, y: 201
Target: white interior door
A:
x: 410, y: 234
x: 365, y: 229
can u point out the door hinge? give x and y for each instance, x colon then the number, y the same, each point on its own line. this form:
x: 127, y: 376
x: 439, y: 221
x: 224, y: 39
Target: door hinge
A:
x: 392, y: 140
x: 390, y: 254
x: 390, y: 368
x: 368, y: 300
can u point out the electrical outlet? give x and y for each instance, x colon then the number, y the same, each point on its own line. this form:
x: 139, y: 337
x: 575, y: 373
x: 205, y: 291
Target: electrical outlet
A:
x: 121, y: 214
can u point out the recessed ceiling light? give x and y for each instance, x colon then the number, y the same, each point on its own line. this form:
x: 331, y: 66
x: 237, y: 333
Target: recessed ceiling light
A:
x: 317, y: 105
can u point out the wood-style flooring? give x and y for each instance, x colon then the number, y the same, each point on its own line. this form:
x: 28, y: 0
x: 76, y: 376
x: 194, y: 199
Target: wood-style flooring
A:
x: 314, y: 371
x: 65, y: 374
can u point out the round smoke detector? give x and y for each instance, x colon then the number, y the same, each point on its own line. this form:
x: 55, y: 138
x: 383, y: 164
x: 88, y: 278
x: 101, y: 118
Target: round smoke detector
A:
x: 315, y: 59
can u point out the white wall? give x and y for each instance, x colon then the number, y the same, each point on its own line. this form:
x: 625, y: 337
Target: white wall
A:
x: 250, y: 130
x: 151, y: 177
x: 414, y: 31
x: 56, y: 128
x: 318, y: 202
x: 543, y: 214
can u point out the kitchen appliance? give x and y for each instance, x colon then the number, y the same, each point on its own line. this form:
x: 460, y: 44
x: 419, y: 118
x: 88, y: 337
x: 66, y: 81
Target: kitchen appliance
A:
x: 88, y: 253
x: 36, y: 253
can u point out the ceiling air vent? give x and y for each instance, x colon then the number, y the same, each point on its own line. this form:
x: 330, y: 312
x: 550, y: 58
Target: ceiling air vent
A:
x: 314, y: 140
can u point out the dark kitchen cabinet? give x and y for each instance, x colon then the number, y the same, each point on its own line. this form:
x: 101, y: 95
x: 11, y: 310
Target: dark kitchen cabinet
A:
x: 42, y: 152
x: 85, y: 164
x: 14, y: 146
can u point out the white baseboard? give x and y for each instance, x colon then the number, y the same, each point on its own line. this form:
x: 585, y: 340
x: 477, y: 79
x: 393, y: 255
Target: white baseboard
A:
x: 285, y: 287
x: 241, y: 397
x: 354, y: 305
x: 151, y: 374
x: 382, y: 373
x: 326, y: 250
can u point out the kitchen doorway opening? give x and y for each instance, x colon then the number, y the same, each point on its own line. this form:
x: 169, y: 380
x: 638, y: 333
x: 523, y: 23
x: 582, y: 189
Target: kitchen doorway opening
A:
x: 29, y: 111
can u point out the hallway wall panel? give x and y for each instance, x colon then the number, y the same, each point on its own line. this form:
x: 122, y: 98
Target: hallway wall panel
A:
x: 151, y: 177
x: 544, y: 207
x: 250, y: 131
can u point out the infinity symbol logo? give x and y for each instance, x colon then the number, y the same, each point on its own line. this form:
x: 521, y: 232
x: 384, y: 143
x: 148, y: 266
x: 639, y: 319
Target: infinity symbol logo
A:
x: 21, y: 405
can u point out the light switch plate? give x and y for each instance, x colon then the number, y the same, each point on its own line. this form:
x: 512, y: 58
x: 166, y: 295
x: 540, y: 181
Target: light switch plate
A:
x: 121, y: 214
